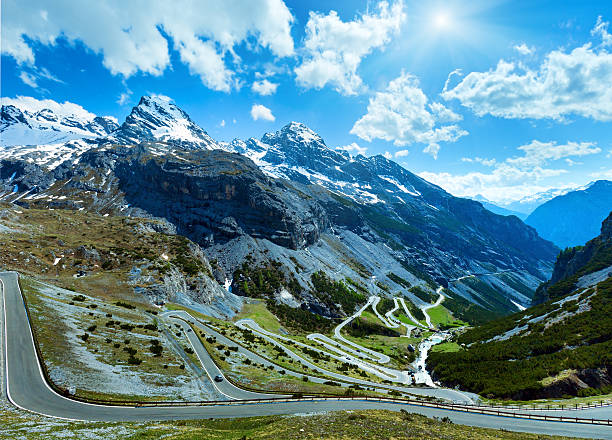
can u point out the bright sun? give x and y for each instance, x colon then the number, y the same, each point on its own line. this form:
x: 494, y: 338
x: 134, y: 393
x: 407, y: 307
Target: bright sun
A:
x: 441, y: 20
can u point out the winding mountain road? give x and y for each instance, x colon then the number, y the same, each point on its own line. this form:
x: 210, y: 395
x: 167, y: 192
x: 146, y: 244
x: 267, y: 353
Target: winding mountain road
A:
x: 431, y: 306
x: 27, y: 388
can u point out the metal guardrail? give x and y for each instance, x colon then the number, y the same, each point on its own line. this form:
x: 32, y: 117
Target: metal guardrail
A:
x: 493, y: 411
x: 453, y: 407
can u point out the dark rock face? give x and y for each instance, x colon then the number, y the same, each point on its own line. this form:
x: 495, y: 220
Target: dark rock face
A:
x: 570, y: 385
x: 107, y: 124
x: 214, y: 196
x: 25, y: 176
x: 10, y: 114
x: 572, y: 260
x: 606, y: 228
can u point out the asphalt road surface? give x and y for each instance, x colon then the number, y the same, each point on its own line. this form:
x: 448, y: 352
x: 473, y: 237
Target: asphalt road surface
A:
x: 27, y: 389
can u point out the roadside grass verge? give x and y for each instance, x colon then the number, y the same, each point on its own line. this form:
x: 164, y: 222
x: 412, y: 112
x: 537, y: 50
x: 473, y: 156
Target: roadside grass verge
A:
x: 345, y: 425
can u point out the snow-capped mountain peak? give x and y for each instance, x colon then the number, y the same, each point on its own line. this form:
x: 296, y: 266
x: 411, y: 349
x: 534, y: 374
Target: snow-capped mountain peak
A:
x: 28, y: 121
x: 157, y: 119
x: 295, y: 133
x: 48, y: 132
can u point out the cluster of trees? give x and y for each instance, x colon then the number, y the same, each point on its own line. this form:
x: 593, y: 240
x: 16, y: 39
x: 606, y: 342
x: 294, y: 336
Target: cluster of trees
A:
x: 385, y: 305
x: 361, y: 327
x: 415, y: 311
x: 468, y: 311
x: 263, y: 281
x: 399, y: 280
x: 299, y: 319
x: 513, y: 368
x: 420, y: 293
x: 184, y: 260
x: 333, y: 292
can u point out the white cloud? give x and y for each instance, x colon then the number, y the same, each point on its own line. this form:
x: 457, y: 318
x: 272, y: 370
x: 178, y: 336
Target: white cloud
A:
x: 387, y: 155
x: 33, y: 74
x: 222, y: 123
x: 264, y: 87
x: 432, y: 149
x: 443, y: 114
x: 601, y: 175
x: 28, y: 79
x: 130, y: 35
x: 124, y: 97
x: 516, y: 176
x: 480, y: 160
x: 601, y: 30
x: 402, y: 153
x: 333, y: 49
x: 523, y: 49
x: 34, y: 105
x: 538, y: 153
x: 566, y: 83
x: 402, y: 114
x: 259, y: 111
x: 353, y: 147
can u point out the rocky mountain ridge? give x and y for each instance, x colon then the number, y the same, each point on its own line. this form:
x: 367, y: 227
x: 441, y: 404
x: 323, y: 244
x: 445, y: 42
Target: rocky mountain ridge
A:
x: 289, y: 197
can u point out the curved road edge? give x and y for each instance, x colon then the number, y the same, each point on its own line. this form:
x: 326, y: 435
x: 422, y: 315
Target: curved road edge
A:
x: 29, y: 391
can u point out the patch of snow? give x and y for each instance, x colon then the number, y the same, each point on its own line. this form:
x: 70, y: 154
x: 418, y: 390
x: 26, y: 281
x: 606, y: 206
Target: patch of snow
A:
x: 518, y: 306
x: 401, y: 187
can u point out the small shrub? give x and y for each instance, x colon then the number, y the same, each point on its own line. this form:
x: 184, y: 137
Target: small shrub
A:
x: 156, y: 349
x: 131, y: 351
x: 133, y: 360
x: 125, y: 305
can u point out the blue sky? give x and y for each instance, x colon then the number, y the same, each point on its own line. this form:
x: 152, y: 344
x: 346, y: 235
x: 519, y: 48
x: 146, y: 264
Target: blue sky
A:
x: 528, y: 107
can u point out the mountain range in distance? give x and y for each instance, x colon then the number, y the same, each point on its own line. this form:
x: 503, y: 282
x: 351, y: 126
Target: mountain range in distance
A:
x: 567, y: 217
x: 573, y: 218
